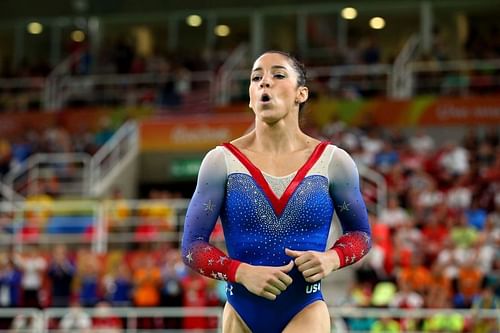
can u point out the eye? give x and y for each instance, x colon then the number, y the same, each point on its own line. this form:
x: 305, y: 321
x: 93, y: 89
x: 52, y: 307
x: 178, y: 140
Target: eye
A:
x: 279, y: 76
x: 256, y: 78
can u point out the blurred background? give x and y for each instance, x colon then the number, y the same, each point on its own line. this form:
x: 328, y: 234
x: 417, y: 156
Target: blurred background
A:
x: 108, y: 107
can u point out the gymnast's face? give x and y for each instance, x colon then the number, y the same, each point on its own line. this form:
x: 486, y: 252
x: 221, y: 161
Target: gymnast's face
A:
x: 273, y: 89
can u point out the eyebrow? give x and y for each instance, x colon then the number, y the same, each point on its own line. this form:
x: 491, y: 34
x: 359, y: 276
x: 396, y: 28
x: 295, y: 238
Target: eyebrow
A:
x: 272, y: 67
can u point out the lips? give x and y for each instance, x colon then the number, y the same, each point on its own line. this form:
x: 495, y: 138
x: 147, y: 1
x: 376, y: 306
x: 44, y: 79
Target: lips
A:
x: 265, y: 98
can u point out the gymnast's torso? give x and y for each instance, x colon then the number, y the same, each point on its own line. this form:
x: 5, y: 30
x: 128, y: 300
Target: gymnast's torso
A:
x: 261, y: 216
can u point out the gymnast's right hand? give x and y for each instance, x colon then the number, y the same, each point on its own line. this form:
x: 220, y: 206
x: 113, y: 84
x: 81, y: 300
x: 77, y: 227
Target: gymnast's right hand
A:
x: 264, y: 281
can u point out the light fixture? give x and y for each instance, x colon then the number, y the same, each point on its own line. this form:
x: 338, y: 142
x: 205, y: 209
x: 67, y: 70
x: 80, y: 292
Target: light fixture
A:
x: 377, y: 22
x: 222, y: 30
x: 78, y: 36
x: 349, y: 13
x: 194, y: 20
x: 35, y: 28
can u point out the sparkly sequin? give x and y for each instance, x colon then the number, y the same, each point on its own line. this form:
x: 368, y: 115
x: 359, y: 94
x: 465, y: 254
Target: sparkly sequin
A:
x: 255, y: 234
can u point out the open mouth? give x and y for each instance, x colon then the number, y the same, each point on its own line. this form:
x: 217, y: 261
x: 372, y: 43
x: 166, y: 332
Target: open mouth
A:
x: 265, y: 98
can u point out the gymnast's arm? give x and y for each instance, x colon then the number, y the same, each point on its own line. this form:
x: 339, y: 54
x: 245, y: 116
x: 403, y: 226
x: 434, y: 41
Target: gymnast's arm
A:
x: 355, y: 242
x: 351, y: 211
x: 201, y: 216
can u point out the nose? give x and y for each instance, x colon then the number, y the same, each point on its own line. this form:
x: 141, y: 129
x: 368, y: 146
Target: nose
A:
x: 265, y: 83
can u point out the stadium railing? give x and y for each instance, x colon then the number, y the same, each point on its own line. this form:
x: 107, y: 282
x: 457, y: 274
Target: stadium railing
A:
x: 68, y: 172
x: 115, y: 155
x: 401, y: 80
x: 46, y: 320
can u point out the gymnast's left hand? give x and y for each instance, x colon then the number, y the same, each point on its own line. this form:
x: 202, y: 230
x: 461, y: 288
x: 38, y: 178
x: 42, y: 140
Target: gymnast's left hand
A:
x: 314, y: 265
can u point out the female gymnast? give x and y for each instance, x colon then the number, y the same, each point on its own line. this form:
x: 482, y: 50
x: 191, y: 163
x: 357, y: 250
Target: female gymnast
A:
x: 275, y: 190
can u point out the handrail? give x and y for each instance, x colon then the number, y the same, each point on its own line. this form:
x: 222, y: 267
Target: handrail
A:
x: 381, y: 189
x: 394, y: 80
x: 32, y: 167
x: 122, y: 146
x: 226, y: 71
x: 402, y: 80
x: 44, y: 317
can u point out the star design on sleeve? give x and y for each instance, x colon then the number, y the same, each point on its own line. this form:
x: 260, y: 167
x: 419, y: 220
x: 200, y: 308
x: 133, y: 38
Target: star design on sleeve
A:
x: 210, y: 262
x: 189, y: 257
x: 221, y: 260
x: 209, y: 206
x: 344, y: 206
x: 214, y: 275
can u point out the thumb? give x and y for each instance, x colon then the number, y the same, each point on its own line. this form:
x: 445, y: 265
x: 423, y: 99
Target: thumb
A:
x: 287, y: 268
x: 293, y: 253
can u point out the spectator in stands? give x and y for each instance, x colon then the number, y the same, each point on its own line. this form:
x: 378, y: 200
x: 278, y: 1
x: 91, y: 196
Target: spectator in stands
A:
x: 23, y: 323
x: 386, y: 158
x: 172, y: 272
x: 422, y: 143
x: 33, y: 266
x: 406, y: 298
x: 434, y: 233
x: 88, y: 278
x: 454, y: 159
x: 195, y: 294
x: 118, y: 286
x: 76, y: 320
x: 393, y: 215
x: 417, y: 276
x: 147, y: 282
x: 104, y: 320
x: 440, y: 287
x: 61, y: 272
x: 468, y: 284
x: 462, y: 233
x: 443, y: 322
x: 485, y: 300
x: 10, y: 286
x: 5, y: 156
x: 385, y: 325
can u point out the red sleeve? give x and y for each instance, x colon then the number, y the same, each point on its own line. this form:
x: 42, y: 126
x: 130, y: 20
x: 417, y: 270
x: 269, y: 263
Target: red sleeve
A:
x: 212, y: 262
x: 351, y: 247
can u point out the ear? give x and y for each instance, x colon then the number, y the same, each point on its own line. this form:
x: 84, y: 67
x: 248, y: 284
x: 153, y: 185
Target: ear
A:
x: 302, y: 94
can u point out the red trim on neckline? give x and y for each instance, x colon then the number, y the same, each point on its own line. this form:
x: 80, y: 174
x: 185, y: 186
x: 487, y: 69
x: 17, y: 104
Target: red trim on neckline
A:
x: 278, y: 204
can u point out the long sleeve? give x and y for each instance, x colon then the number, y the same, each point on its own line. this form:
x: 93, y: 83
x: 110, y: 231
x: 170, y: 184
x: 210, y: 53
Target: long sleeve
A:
x: 350, y: 208
x: 202, y: 214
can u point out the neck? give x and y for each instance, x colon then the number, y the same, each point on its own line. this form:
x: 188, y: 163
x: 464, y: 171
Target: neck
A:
x: 279, y: 137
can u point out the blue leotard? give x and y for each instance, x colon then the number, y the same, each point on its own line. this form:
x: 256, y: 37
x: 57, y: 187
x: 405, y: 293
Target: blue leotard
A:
x: 262, y: 215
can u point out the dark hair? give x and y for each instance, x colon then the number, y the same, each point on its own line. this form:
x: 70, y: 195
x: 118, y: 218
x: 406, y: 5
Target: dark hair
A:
x: 296, y: 64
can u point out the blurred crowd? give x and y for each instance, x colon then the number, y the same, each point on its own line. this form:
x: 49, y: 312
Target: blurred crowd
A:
x: 436, y: 244
x: 80, y: 279
x: 57, y: 139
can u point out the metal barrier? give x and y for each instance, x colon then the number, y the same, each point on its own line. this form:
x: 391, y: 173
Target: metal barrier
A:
x: 63, y: 174
x: 112, y: 157
x: 128, y: 318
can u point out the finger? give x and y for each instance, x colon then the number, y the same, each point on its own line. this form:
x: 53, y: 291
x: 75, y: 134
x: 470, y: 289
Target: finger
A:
x: 311, y: 271
x: 285, y: 278
x: 293, y: 253
x: 278, y: 284
x: 272, y: 289
x: 314, y: 278
x: 305, y: 257
x: 268, y: 295
x: 286, y: 268
x: 306, y: 265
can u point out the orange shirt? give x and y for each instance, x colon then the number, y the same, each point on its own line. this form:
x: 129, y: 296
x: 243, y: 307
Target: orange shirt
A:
x: 147, y: 282
x: 418, y: 278
x: 469, y: 281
